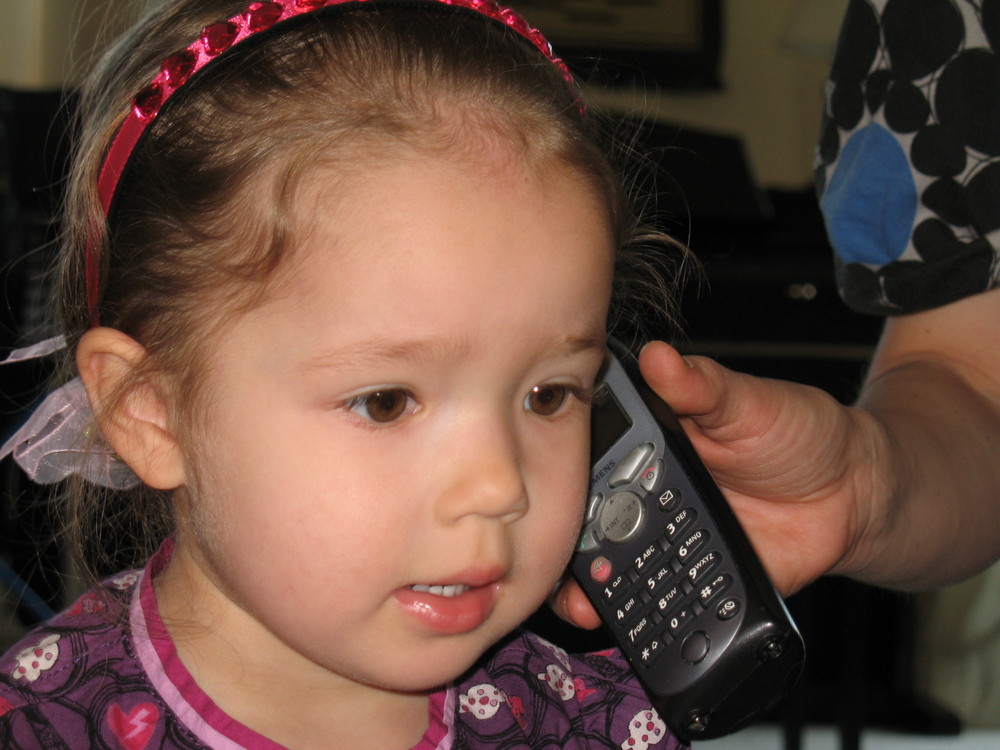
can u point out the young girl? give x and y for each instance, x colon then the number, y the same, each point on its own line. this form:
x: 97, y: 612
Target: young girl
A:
x: 336, y: 284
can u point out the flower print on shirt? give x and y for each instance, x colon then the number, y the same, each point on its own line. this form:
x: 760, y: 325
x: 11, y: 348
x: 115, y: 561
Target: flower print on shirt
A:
x: 482, y: 701
x: 34, y: 660
x: 645, y: 729
x: 126, y: 581
x: 559, y: 681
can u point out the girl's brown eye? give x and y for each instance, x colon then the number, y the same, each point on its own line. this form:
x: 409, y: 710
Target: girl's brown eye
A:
x: 381, y: 407
x: 546, y: 400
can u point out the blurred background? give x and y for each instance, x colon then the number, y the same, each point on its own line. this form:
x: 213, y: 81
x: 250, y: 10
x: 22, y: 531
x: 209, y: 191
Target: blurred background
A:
x: 729, y: 94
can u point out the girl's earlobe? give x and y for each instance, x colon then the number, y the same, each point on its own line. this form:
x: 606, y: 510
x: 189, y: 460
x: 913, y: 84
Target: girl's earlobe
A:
x: 130, y: 409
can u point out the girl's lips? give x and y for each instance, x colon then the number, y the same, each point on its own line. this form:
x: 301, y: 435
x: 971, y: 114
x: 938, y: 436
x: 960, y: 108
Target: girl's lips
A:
x: 451, y: 609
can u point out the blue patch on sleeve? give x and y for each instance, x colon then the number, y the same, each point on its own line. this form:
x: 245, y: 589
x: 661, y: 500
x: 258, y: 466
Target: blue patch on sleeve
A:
x: 871, y: 200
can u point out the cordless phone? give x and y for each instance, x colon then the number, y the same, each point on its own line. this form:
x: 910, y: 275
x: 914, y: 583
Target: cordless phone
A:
x: 668, y: 568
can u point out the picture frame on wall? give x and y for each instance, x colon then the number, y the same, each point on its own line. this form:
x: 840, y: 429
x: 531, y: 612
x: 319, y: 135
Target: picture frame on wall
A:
x: 673, y: 43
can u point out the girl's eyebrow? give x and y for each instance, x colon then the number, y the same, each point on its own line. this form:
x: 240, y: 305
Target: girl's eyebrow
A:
x: 589, y: 342
x: 375, y: 351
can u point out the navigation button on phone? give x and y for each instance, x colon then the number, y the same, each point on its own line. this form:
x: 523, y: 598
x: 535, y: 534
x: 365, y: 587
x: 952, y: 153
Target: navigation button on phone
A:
x: 631, y: 465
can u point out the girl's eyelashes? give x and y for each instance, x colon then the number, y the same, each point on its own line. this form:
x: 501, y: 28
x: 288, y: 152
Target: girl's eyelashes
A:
x: 382, y: 406
x: 547, y: 400
x: 387, y: 405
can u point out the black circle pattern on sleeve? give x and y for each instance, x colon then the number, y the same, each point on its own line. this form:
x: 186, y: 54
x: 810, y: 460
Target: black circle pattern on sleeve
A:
x: 908, y: 161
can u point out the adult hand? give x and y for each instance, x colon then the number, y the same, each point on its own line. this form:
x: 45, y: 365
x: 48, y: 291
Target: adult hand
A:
x: 786, y: 457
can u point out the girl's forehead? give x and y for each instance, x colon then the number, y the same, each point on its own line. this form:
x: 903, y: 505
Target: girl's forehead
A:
x: 432, y: 229
x: 416, y: 193
x: 483, y: 143
x: 335, y: 192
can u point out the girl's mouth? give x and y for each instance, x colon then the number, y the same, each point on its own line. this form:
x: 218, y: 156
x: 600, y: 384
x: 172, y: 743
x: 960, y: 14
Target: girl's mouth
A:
x: 449, y: 609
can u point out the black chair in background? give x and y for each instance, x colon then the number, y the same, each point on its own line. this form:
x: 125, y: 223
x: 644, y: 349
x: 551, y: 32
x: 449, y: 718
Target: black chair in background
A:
x: 34, y: 141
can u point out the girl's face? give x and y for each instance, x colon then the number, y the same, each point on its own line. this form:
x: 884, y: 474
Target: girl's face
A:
x: 391, y: 468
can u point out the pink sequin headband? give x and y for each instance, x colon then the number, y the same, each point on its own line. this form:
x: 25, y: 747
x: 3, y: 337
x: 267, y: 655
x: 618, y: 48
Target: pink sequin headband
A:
x: 215, y: 39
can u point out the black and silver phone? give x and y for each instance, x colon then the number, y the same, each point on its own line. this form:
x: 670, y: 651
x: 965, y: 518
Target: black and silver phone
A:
x: 668, y: 568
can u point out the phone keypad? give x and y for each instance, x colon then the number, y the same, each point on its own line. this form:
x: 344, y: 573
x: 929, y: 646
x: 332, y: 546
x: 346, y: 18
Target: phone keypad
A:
x: 654, y: 600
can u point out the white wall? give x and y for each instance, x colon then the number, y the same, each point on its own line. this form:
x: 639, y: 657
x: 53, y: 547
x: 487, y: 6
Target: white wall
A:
x: 772, y: 95
x: 46, y: 43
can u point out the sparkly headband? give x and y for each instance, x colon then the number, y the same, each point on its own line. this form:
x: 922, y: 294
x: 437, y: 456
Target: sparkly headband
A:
x: 215, y: 39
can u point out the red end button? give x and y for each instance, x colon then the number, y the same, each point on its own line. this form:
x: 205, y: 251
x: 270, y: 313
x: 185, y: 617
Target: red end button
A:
x: 600, y: 569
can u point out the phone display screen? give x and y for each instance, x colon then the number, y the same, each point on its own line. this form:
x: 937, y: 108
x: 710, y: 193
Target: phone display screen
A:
x: 608, y: 423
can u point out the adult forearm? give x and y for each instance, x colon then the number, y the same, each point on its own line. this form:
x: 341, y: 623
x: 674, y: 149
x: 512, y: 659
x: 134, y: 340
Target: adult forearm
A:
x: 932, y: 511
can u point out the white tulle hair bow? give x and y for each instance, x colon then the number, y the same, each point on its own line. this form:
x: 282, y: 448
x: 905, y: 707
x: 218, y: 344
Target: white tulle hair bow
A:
x: 56, y: 441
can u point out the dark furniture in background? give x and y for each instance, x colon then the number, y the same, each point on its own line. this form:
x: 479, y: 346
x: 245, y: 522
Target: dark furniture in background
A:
x: 34, y: 142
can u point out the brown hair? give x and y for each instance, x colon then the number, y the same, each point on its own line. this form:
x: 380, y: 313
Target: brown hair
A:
x: 201, y: 225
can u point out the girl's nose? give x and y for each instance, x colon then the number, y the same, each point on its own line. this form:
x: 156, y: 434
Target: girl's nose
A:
x: 482, y: 476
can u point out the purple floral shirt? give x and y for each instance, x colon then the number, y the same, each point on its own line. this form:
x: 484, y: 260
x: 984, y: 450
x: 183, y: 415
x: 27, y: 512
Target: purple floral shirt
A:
x: 105, y: 674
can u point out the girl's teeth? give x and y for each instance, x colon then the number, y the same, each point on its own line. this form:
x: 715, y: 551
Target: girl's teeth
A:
x: 453, y: 590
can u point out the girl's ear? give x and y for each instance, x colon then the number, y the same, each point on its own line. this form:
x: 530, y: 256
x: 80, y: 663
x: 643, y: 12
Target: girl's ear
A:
x: 134, y: 421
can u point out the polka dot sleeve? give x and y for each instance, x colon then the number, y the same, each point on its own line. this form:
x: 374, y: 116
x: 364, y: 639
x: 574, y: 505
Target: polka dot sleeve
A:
x: 908, y: 163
